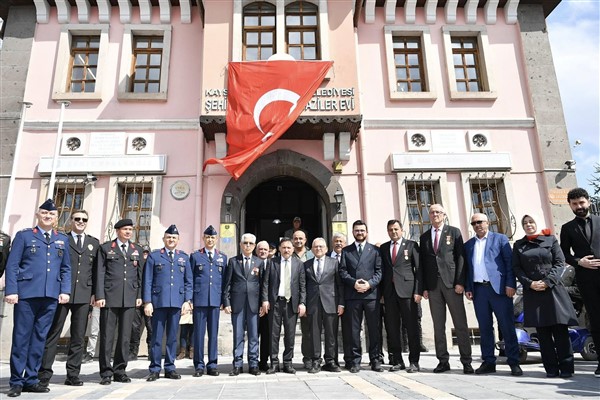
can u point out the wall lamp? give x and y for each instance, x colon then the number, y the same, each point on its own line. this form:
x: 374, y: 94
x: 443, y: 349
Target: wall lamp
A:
x: 228, y: 199
x: 339, y: 199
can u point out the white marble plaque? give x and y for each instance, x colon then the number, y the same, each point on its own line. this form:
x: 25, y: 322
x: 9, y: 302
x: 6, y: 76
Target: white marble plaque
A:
x: 107, y: 143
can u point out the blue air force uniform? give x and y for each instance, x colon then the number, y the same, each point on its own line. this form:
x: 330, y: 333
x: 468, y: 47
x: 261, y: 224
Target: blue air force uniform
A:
x: 167, y: 284
x: 208, y: 289
x: 38, y: 271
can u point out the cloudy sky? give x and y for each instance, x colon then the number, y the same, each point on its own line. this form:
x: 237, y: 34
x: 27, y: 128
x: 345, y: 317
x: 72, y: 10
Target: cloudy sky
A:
x: 574, y: 32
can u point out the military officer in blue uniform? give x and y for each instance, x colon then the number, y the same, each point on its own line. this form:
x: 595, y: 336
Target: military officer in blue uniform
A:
x: 82, y: 248
x: 118, y: 291
x: 167, y: 289
x: 38, y: 273
x: 208, y: 265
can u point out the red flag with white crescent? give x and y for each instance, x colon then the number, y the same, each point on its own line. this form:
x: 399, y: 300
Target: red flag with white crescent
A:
x: 264, y: 98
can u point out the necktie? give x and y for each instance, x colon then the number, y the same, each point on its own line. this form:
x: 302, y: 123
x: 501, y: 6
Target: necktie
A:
x: 359, y: 249
x: 436, y: 241
x: 47, y: 235
x: 79, y: 242
x: 287, y: 280
x: 171, y: 256
x: 338, y: 257
x: 124, y: 249
x: 394, y: 252
x: 246, y: 265
x: 319, y: 269
x: 588, y: 229
x: 210, y: 259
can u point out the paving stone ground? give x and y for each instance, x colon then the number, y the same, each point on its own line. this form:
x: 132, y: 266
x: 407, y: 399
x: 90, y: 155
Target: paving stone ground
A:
x: 325, y: 385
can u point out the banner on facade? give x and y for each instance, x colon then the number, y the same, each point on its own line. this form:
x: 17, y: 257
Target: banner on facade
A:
x: 264, y: 98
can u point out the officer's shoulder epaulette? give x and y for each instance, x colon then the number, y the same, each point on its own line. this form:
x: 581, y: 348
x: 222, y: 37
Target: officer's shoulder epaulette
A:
x: 91, y: 236
x: 178, y: 252
x: 26, y: 230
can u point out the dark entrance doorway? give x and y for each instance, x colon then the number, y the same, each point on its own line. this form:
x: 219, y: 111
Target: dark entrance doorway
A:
x: 272, y: 205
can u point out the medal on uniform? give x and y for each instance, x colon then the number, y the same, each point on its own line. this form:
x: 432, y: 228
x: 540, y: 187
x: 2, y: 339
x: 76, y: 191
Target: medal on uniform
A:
x: 33, y: 250
x: 90, y: 247
x: 220, y: 269
x: 448, y: 237
x: 406, y: 254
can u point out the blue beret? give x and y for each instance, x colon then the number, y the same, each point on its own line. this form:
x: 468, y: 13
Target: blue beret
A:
x: 172, y: 230
x: 211, y: 231
x: 123, y: 222
x: 48, y: 205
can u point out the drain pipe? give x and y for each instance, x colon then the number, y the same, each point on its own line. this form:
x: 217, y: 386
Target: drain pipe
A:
x: 198, y: 220
x: 361, y: 145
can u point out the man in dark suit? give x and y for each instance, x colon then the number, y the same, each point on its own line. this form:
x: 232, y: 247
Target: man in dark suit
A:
x: 83, y: 249
x: 444, y: 278
x: 241, y: 299
x: 401, y: 286
x: 324, y: 305
x: 264, y: 331
x: 284, y: 299
x: 38, y: 273
x: 580, y: 242
x: 491, y: 284
x: 118, y: 292
x: 360, y: 270
x: 208, y: 266
x: 167, y: 290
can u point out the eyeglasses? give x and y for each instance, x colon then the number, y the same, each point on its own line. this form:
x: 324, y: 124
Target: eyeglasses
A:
x: 78, y: 219
x: 473, y: 223
x: 247, y: 243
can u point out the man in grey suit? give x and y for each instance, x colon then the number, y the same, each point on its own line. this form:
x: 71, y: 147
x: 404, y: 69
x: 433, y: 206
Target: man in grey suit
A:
x: 360, y: 270
x: 241, y: 299
x: 325, y: 303
x: 444, y: 273
x: 284, y: 299
x: 401, y: 285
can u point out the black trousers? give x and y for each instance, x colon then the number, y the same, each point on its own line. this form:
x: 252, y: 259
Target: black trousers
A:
x: 264, y: 334
x: 139, y: 322
x: 588, y: 281
x: 283, y: 315
x: 401, y: 312
x: 115, y: 321
x: 556, y: 349
x: 79, y: 319
x: 352, y: 323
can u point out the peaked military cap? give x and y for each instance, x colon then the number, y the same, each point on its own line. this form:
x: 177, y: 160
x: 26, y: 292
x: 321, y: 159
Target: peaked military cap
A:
x: 210, y: 231
x: 172, y: 230
x: 48, y: 205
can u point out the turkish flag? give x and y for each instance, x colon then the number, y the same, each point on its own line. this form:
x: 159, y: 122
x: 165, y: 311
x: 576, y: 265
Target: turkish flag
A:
x: 264, y: 98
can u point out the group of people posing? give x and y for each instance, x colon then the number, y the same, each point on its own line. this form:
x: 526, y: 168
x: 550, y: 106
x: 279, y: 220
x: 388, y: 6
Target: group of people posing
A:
x: 264, y: 291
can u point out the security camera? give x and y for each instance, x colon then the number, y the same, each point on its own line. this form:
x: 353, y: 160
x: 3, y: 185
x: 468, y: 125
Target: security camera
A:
x: 570, y: 164
x: 90, y: 179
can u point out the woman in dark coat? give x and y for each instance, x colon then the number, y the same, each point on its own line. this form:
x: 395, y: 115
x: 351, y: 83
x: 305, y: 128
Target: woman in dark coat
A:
x: 538, y: 262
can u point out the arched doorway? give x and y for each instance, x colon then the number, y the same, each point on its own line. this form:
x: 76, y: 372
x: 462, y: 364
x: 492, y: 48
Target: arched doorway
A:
x: 287, y: 169
x: 272, y: 205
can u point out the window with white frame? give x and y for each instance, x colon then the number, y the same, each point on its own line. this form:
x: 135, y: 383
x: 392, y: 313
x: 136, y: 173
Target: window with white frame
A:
x: 466, y: 49
x: 262, y: 28
x: 408, y: 50
x: 82, y: 54
x: 145, y: 58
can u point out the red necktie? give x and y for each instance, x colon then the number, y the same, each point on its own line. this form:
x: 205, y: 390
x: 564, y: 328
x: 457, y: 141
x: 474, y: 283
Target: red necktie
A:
x: 435, y: 242
x: 394, y: 252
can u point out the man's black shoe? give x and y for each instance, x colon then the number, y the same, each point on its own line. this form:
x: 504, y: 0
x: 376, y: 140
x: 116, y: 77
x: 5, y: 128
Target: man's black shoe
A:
x: 289, y: 369
x: 467, y: 368
x: 105, y: 380
x: 15, y: 391
x: 377, y: 367
x: 442, y: 367
x: 551, y: 374
x: 264, y: 367
x: 515, y: 370
x: 331, y: 368
x: 198, y: 373
x: 122, y: 378
x: 413, y: 367
x: 486, y: 368
x: 235, y: 371
x: 397, y: 367
x: 213, y: 372
x: 172, y: 375
x: 153, y: 376
x: 254, y: 371
x: 597, y: 372
x: 45, y: 382
x: 566, y: 374
x: 355, y: 369
x: 73, y: 381
x: 37, y: 388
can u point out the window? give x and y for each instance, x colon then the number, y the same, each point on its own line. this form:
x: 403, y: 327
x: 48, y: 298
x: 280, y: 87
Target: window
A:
x: 301, y: 30
x: 259, y: 31
x: 82, y: 53
x: 469, y: 75
x: 408, y: 58
x: 419, y: 197
x: 68, y: 198
x: 407, y: 52
x: 465, y: 55
x: 136, y: 204
x: 145, y: 58
x: 488, y: 196
x: 84, y: 63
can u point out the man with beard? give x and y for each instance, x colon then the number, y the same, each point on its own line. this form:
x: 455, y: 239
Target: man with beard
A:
x: 580, y: 242
x: 118, y: 293
x: 360, y: 270
x: 339, y: 242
